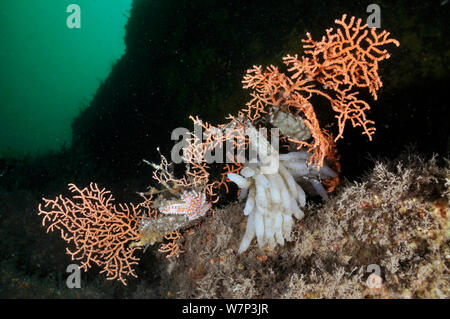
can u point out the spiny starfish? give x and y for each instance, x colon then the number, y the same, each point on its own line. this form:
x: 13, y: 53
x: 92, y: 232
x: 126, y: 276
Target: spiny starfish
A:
x: 194, y: 206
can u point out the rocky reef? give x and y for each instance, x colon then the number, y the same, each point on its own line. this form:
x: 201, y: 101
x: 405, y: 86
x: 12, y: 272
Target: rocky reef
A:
x: 386, y: 236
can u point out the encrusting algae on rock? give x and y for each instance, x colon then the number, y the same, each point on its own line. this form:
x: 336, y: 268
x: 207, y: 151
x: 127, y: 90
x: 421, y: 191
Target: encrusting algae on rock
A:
x: 395, y: 220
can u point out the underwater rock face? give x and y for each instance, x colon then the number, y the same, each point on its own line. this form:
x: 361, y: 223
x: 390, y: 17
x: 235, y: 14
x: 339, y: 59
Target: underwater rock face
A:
x: 386, y: 237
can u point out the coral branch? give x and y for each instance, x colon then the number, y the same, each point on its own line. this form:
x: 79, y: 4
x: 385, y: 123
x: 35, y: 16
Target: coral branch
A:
x: 100, y: 231
x: 344, y: 60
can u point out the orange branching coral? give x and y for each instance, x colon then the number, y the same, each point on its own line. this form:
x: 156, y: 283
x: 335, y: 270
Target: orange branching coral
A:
x: 198, y: 154
x: 105, y: 234
x: 101, y: 232
x: 196, y: 175
x: 344, y: 60
x: 173, y: 247
x: 333, y: 69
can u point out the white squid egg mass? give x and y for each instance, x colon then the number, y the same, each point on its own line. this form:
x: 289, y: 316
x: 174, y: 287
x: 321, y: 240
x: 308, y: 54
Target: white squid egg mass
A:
x: 272, y: 199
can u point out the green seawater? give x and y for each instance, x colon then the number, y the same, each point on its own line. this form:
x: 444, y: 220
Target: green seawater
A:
x: 48, y: 71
